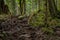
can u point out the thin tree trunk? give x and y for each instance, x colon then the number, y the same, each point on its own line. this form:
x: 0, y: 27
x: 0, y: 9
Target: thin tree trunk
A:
x: 52, y: 7
x: 46, y: 13
x: 22, y: 7
x: 3, y: 7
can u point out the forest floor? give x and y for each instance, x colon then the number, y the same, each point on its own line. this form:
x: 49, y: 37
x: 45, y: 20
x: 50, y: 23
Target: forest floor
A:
x: 18, y: 29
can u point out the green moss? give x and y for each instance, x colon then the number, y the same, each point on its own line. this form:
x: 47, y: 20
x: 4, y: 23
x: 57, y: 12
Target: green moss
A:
x: 4, y: 16
x: 48, y: 30
x: 37, y: 20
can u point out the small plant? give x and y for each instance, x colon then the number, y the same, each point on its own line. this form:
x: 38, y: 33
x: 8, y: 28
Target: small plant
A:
x: 47, y: 30
x: 37, y: 20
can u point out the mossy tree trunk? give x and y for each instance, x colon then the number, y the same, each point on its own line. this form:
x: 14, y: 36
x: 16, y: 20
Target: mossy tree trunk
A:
x: 22, y: 7
x: 52, y: 8
x: 3, y: 7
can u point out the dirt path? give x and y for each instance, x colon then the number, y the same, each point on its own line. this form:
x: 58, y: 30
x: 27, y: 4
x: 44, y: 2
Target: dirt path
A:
x: 18, y: 29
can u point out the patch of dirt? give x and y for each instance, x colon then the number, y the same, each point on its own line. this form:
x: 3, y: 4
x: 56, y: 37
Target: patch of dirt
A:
x: 18, y: 29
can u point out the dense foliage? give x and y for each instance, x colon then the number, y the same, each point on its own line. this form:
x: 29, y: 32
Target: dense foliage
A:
x: 30, y: 19
x: 40, y: 12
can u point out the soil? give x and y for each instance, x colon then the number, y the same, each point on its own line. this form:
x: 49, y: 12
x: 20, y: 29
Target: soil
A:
x: 18, y: 29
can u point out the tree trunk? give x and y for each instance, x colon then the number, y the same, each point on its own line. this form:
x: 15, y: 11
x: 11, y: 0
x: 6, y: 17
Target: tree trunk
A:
x: 22, y: 7
x: 52, y: 8
x: 3, y: 7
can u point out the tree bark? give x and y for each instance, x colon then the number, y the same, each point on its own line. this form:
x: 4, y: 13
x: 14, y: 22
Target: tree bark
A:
x: 3, y: 7
x: 52, y: 8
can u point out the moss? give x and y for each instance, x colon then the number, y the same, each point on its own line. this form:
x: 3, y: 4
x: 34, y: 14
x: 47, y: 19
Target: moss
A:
x: 48, y: 30
x: 37, y: 20
x: 4, y: 16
